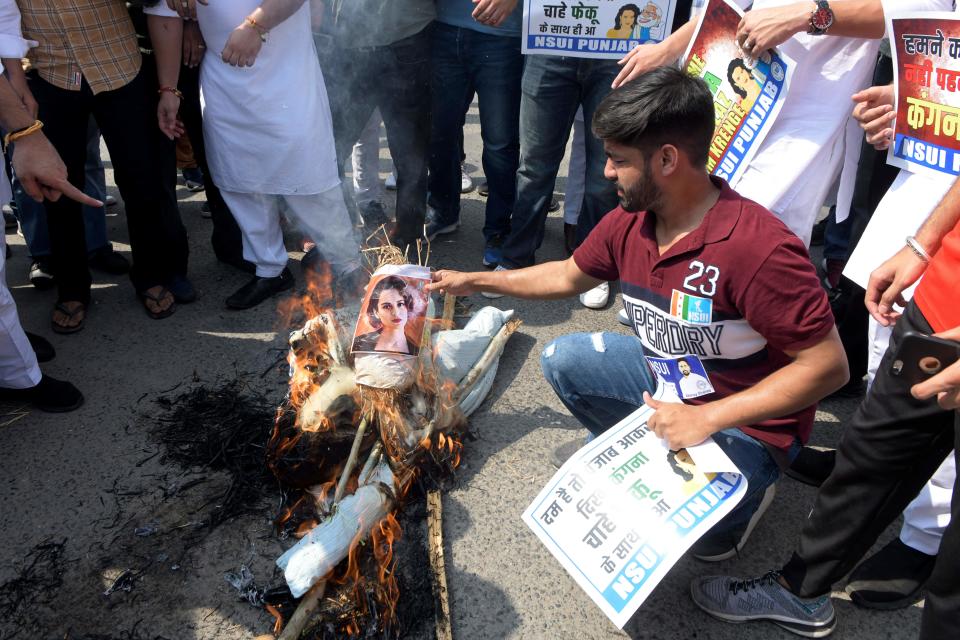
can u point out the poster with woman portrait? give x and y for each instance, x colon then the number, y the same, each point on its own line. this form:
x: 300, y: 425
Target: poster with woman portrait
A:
x: 747, y: 92
x: 594, y: 28
x: 393, y: 311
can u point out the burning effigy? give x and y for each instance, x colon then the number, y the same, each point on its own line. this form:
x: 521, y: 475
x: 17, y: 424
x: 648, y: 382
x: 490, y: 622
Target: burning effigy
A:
x: 373, y: 406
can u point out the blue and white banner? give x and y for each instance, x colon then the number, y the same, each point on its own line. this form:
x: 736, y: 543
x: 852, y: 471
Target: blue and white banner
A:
x: 594, y: 28
x: 621, y: 512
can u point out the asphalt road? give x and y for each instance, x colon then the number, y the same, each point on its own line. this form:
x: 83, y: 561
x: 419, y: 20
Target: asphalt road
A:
x: 90, y: 478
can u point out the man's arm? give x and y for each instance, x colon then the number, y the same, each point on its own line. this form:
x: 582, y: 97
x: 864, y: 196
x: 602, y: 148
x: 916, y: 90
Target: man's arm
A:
x: 243, y: 45
x: 547, y: 281
x: 762, y: 29
x: 38, y: 166
x: 889, y: 280
x: 166, y: 34
x: 814, y: 372
x: 649, y: 56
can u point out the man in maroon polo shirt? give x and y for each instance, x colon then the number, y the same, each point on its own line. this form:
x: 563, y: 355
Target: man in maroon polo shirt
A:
x: 710, y: 280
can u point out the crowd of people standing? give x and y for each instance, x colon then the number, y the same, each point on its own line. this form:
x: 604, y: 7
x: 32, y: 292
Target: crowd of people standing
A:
x: 276, y: 98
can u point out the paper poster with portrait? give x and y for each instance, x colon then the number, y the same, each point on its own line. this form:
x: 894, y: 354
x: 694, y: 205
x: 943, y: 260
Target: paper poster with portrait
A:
x: 625, y: 508
x: 393, y: 311
x: 594, y: 28
x: 748, y: 93
x: 686, y: 376
x: 926, y: 61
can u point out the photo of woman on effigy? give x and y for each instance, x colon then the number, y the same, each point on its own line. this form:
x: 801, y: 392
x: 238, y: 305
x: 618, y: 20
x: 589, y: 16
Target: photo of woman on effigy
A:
x: 392, y: 319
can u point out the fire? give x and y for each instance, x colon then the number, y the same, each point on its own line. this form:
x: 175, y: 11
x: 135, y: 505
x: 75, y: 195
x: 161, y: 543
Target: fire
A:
x: 277, y: 619
x: 316, y: 430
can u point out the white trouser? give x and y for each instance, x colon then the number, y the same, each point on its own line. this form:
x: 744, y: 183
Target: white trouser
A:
x: 926, y: 518
x: 18, y: 362
x: 366, y: 163
x: 322, y: 217
x: 577, y: 172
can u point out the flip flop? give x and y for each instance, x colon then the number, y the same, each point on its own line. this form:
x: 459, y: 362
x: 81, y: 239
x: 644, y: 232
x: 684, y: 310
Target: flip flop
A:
x: 64, y: 329
x: 157, y: 299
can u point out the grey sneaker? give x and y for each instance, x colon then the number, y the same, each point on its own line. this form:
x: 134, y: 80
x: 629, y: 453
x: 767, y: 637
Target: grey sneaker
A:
x: 489, y: 294
x: 764, y: 598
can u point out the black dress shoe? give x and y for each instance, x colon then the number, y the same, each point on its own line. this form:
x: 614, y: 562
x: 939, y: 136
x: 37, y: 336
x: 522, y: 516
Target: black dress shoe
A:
x: 43, y: 349
x: 259, y: 289
x: 109, y: 261
x: 50, y: 394
x: 812, y: 466
x: 892, y: 578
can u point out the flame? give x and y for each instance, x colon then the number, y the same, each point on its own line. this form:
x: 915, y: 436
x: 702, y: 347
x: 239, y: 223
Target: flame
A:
x: 383, y: 537
x: 277, y: 619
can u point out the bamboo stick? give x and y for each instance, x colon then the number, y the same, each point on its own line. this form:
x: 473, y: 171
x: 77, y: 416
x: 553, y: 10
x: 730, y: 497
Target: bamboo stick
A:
x: 449, y: 308
x: 351, y: 462
x: 486, y: 360
x: 305, y: 610
x: 437, y: 564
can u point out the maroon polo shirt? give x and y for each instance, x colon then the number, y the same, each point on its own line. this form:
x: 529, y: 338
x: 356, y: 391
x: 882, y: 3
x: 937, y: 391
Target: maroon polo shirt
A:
x: 738, y: 292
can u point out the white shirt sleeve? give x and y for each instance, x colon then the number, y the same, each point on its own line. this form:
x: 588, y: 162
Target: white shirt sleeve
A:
x: 160, y: 9
x: 12, y: 43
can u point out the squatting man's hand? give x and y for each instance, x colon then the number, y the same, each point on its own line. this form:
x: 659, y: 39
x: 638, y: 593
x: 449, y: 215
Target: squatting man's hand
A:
x: 874, y: 111
x: 455, y: 283
x: 680, y: 425
x: 946, y: 384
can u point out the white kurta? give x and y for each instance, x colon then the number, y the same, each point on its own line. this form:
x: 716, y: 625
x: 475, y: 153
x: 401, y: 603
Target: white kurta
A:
x: 18, y: 363
x: 267, y: 127
x: 799, y: 161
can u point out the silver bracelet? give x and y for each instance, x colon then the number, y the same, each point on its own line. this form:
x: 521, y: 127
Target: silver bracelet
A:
x: 918, y: 249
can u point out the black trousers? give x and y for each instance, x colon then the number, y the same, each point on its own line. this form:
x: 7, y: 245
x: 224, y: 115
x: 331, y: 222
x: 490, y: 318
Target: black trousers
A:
x: 141, y: 157
x: 226, y: 239
x: 396, y: 79
x: 892, y: 446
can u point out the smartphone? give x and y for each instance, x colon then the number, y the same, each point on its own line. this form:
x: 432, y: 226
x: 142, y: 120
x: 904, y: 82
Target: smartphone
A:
x: 919, y: 357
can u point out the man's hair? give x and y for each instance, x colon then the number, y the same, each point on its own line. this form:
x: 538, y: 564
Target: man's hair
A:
x: 683, y: 360
x: 663, y: 106
x: 736, y: 63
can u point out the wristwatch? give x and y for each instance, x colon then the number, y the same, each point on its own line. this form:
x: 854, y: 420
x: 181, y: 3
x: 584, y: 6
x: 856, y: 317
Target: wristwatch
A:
x: 821, y: 18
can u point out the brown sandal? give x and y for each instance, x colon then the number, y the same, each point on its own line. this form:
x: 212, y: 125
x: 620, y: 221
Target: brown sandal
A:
x: 81, y: 308
x: 145, y: 296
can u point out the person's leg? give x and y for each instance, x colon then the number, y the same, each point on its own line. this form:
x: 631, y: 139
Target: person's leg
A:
x: 759, y: 468
x: 365, y: 161
x: 599, y: 196
x: 497, y: 70
x: 65, y: 115
x: 225, y: 238
x: 449, y: 89
x: 890, y: 449
x: 95, y: 186
x: 18, y: 362
x: 403, y: 95
x: 33, y: 222
x: 323, y: 218
x: 258, y: 216
x: 941, y: 611
x: 144, y: 168
x: 577, y: 172
x: 928, y: 515
x: 548, y: 103
x: 599, y: 377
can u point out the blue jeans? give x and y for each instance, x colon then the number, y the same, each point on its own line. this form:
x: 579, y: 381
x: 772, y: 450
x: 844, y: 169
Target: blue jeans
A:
x: 601, y: 378
x: 552, y: 89
x: 33, y: 217
x: 836, y: 237
x: 465, y: 61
